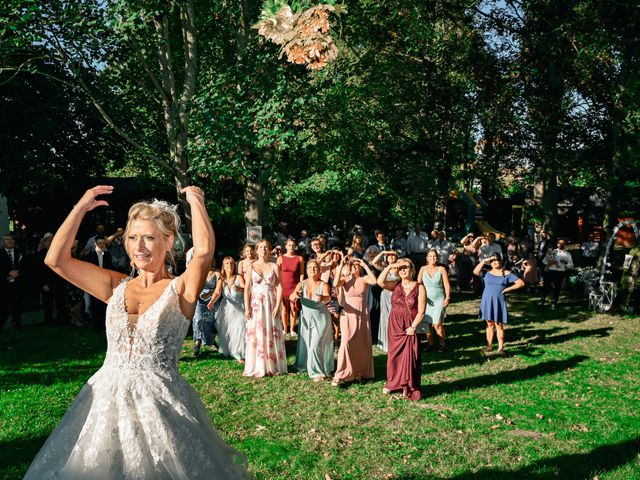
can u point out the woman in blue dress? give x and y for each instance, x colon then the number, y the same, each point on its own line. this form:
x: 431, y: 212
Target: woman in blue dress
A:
x: 203, y: 326
x: 493, y: 307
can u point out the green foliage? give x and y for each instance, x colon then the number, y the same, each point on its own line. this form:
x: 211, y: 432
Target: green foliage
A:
x: 51, y: 144
x: 423, y: 97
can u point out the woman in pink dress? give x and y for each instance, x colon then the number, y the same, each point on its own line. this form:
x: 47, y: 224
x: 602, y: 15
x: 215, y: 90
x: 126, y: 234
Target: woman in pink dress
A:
x: 355, y: 358
x: 265, y: 353
x: 292, y: 268
x: 530, y: 274
x: 408, y: 303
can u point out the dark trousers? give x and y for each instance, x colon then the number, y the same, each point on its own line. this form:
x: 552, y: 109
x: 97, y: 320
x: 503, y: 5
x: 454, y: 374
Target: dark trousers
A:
x: 56, y: 295
x: 98, y: 314
x: 465, y: 273
x: 419, y: 260
x: 374, y: 312
x: 552, y: 282
x: 11, y: 303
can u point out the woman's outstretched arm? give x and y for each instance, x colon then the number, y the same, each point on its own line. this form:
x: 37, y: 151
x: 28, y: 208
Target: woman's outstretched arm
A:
x: 94, y: 280
x: 204, y: 242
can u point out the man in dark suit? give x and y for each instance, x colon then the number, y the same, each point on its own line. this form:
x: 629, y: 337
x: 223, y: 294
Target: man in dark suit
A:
x: 52, y: 287
x: 99, y: 256
x: 11, y: 282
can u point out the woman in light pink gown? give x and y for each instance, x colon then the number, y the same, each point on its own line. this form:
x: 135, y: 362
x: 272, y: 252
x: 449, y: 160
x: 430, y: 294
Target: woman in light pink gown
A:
x: 265, y: 352
x: 355, y: 358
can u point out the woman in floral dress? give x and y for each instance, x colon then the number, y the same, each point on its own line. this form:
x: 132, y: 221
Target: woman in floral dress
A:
x: 265, y: 352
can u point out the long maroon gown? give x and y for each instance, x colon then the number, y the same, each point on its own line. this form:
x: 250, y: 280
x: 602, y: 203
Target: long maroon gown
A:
x: 403, y: 358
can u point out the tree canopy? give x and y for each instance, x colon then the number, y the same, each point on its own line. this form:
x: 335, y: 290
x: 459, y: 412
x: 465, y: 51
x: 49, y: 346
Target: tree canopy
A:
x: 423, y: 97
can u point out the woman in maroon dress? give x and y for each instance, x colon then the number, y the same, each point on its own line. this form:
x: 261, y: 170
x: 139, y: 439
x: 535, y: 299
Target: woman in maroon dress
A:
x: 292, y: 267
x: 408, y: 302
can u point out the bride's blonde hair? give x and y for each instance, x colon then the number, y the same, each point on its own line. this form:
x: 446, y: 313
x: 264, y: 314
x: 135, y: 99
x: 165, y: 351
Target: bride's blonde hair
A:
x: 163, y: 214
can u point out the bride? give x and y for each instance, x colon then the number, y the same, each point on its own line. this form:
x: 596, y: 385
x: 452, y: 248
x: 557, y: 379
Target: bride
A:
x: 137, y: 417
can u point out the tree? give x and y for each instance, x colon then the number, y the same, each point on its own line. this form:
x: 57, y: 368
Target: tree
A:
x: 135, y: 61
x: 51, y: 142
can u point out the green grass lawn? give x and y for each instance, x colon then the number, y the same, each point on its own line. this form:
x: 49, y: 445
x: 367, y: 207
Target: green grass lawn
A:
x: 564, y: 403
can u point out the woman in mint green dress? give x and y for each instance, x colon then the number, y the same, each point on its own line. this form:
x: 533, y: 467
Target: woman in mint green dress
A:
x: 436, y: 282
x: 315, y: 344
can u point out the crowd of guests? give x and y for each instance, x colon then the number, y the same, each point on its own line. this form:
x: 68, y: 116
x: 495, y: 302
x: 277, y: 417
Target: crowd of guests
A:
x: 62, y: 303
x: 345, y: 299
x: 335, y: 300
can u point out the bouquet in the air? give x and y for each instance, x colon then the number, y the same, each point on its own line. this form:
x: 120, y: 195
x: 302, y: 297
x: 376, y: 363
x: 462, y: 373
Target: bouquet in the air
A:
x: 302, y: 30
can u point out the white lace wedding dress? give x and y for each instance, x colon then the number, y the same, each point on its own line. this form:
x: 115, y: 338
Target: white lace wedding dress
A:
x: 137, y: 418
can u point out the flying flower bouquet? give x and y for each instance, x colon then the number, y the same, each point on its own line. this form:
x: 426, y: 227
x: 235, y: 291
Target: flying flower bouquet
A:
x: 302, y: 30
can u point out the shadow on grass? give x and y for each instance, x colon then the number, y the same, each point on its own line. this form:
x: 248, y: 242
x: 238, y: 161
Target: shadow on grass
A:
x: 16, y: 455
x: 38, y: 345
x: 521, y: 340
x: 537, y: 337
x: 46, y: 377
x: 580, y: 465
x: 510, y: 376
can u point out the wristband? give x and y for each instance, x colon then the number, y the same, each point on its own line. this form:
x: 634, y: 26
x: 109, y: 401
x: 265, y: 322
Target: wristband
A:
x: 196, y: 194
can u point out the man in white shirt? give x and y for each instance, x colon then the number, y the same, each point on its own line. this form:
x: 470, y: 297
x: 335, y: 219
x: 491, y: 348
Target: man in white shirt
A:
x: 102, y: 258
x: 399, y: 243
x: 11, y: 283
x: 443, y: 246
x: 304, y: 245
x: 590, y: 250
x: 417, y: 247
x: 491, y: 249
x: 381, y: 245
x: 557, y: 263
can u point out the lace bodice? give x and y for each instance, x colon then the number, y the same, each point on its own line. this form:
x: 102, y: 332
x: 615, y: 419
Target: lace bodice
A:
x: 153, y: 342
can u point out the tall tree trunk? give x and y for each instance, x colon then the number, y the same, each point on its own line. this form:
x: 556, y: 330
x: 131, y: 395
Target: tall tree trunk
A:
x: 255, y: 201
x: 613, y: 195
x: 255, y: 186
x: 550, y: 201
x: 176, y: 106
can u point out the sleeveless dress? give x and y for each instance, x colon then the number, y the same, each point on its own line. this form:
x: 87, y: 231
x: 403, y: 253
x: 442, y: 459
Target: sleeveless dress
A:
x: 403, y: 360
x: 230, y: 321
x: 290, y: 276
x: 435, y: 300
x: 493, y: 306
x: 355, y: 359
x: 315, y: 347
x: 203, y: 326
x: 385, y: 310
x: 137, y: 418
x: 265, y: 353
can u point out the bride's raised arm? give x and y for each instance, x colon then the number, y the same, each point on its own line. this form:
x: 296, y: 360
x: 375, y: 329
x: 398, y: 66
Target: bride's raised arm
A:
x: 190, y: 283
x: 97, y: 281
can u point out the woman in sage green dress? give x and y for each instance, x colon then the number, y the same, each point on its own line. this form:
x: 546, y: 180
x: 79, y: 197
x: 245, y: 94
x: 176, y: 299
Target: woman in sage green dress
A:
x: 315, y: 345
x: 436, y: 281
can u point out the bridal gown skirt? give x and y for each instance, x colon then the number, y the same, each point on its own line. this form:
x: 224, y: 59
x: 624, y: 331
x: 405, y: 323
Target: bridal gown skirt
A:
x: 137, y: 418
x: 135, y: 425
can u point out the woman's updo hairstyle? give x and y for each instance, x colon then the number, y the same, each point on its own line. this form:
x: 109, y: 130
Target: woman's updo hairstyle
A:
x: 163, y: 214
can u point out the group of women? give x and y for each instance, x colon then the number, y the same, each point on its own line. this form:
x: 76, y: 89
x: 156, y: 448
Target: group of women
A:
x: 261, y: 302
